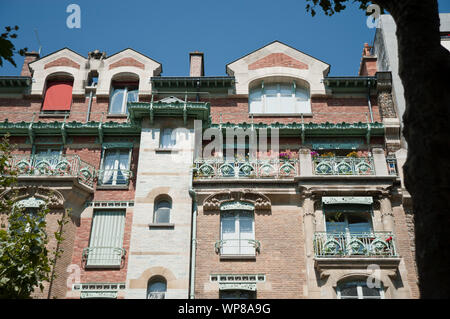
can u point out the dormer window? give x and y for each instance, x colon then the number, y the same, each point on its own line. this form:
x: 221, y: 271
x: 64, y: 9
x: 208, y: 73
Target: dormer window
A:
x: 121, y: 94
x: 279, y: 98
x: 58, y: 95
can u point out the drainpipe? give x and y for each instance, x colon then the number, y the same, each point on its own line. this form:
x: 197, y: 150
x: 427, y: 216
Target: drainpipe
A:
x: 368, y: 101
x: 89, y: 107
x: 193, y: 195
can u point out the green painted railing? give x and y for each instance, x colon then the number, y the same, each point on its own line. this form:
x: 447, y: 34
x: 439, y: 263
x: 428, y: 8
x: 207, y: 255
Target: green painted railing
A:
x: 373, y: 244
x: 63, y: 165
x: 220, y: 169
x: 342, y: 165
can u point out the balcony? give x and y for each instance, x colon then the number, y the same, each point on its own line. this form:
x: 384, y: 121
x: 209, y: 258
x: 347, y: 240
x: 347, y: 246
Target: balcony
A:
x: 156, y: 295
x: 237, y: 248
x: 103, y: 257
x: 245, y: 169
x: 343, y: 245
x: 64, y: 165
x: 342, y: 165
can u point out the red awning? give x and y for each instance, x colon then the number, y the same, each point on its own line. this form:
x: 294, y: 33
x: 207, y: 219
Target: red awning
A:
x: 58, y: 96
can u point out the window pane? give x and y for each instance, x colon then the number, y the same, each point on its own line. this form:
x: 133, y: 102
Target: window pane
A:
x: 246, y: 223
x: 286, y: 90
x: 358, y: 224
x: 255, y: 101
x: 167, y: 141
x: 162, y: 215
x: 228, y: 225
x: 157, y: 286
x: 370, y: 292
x: 348, y: 290
x: 132, y: 96
x: 116, y: 105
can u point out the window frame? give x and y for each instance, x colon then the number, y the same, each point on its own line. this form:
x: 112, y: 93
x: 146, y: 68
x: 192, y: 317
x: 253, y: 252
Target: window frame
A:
x: 367, y: 213
x: 117, y: 163
x: 237, y: 226
x: 127, y: 88
x: 155, y: 210
x: 262, y: 95
x: 156, y: 280
x: 173, y: 139
x: 359, y: 290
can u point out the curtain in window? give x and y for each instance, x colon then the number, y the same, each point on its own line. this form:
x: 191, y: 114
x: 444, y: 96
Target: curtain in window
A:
x: 122, y: 172
x: 272, y: 100
x: 108, y: 167
x: 132, y: 96
x: 167, y: 141
x: 287, y: 104
x: 256, y: 105
x: 58, y: 96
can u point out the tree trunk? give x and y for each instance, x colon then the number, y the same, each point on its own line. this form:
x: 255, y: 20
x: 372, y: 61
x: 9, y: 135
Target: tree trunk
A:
x: 424, y: 68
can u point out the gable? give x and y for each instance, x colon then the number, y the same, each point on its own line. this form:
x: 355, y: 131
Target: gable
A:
x: 277, y: 59
x: 63, y: 61
x: 127, y: 62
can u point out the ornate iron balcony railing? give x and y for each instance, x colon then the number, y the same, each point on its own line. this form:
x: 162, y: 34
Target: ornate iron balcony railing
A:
x: 237, y: 247
x: 63, y: 165
x: 114, y: 177
x: 156, y: 295
x: 342, y: 165
x: 103, y: 256
x: 219, y: 169
x: 374, y: 244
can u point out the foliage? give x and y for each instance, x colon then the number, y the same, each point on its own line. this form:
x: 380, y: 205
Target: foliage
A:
x: 353, y: 154
x: 330, y: 7
x: 25, y: 261
x: 328, y: 154
x: 7, y: 48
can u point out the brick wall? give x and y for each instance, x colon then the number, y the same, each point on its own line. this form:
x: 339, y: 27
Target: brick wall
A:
x: 62, y: 62
x: 277, y: 59
x: 281, y: 259
x: 333, y: 110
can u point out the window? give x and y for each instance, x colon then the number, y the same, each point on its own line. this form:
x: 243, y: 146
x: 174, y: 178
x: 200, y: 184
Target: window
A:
x: 237, y: 233
x: 105, y: 245
x: 167, y: 139
x: 162, y: 212
x: 115, y: 169
x: 50, y: 155
x: 352, y: 219
x: 358, y: 290
x: 279, y: 98
x: 121, y: 94
x: 237, y: 294
x: 157, y: 288
x: 58, y: 96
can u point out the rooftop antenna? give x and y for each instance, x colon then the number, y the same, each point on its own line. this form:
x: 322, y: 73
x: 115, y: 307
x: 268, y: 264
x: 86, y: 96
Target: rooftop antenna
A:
x: 39, y: 42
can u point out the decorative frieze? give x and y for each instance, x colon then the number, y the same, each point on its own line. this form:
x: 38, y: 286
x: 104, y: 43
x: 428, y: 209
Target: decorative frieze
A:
x: 214, y: 202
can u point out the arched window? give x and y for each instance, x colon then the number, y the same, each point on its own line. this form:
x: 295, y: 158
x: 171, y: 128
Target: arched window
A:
x: 58, y: 94
x: 163, y: 206
x: 156, y: 288
x: 279, y: 97
x: 359, y: 290
x: 124, y: 89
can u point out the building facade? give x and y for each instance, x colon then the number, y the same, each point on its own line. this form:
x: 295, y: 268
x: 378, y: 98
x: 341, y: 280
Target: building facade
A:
x: 274, y: 181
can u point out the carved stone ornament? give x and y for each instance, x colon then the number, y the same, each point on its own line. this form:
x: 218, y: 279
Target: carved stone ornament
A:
x: 237, y: 286
x: 34, y: 195
x: 347, y: 200
x: 243, y: 199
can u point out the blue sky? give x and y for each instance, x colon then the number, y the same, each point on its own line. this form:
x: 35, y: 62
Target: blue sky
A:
x: 167, y: 31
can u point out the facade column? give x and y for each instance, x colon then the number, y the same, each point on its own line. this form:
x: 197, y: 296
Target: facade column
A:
x: 305, y: 160
x: 379, y: 161
x: 387, y: 214
x: 309, y: 225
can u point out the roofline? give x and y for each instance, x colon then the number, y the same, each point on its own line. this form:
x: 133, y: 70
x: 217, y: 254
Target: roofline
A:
x: 136, y: 52
x: 270, y: 44
x: 57, y: 52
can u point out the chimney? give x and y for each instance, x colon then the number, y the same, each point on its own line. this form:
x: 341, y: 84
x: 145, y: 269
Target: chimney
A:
x: 368, y: 66
x: 196, y: 64
x: 29, y: 57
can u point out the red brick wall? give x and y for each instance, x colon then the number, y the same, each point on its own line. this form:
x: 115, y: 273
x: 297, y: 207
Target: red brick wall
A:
x: 333, y: 110
x: 82, y: 236
x: 282, y: 257
x: 277, y: 59
x: 62, y: 62
x: 127, y: 62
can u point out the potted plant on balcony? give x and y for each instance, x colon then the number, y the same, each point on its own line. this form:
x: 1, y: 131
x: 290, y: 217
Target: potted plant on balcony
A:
x: 353, y: 154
